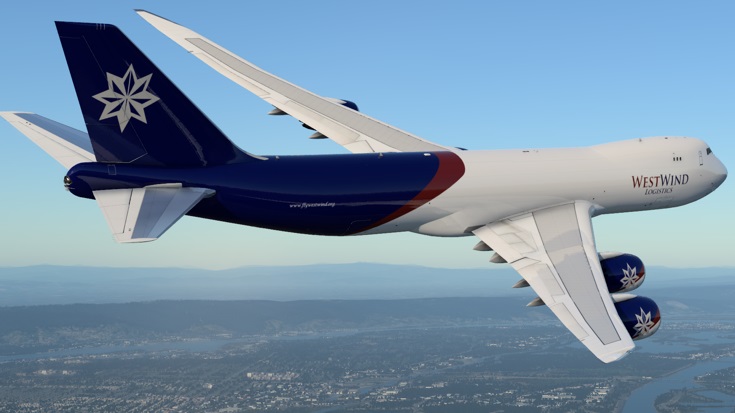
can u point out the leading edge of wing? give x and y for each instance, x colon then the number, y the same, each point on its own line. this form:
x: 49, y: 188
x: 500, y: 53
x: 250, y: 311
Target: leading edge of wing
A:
x: 554, y: 251
x: 355, y: 131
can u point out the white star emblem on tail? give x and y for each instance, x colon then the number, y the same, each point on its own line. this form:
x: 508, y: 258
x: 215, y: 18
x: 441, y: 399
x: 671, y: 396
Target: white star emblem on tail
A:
x: 126, y: 97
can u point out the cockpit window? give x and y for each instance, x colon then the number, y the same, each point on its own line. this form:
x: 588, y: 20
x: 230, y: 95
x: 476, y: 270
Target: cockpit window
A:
x: 709, y: 151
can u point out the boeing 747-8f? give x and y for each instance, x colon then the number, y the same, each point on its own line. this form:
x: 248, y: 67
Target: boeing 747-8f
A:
x: 150, y: 157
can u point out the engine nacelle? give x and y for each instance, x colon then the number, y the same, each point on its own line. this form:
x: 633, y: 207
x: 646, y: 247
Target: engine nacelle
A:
x: 318, y: 135
x: 348, y: 104
x: 640, y: 316
x: 623, y: 272
x: 345, y: 103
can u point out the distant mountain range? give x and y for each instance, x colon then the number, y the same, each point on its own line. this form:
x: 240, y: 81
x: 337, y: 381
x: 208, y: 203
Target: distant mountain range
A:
x: 42, y: 285
x: 48, y: 307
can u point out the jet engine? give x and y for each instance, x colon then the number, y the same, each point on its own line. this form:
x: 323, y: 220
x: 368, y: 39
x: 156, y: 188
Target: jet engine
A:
x: 640, y: 315
x: 345, y: 103
x: 623, y: 272
x: 318, y: 135
x: 348, y: 104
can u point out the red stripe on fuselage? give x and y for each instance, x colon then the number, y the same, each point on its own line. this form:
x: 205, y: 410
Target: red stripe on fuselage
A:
x: 450, y: 169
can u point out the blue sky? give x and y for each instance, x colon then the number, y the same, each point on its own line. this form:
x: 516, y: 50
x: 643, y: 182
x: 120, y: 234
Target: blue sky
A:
x: 480, y: 75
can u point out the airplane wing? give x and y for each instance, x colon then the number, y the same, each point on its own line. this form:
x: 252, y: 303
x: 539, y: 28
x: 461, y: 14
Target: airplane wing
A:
x: 554, y: 251
x: 144, y: 214
x: 353, y: 130
x: 67, y: 145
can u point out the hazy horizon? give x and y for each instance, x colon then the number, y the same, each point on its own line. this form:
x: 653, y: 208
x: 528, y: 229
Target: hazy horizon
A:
x: 49, y: 284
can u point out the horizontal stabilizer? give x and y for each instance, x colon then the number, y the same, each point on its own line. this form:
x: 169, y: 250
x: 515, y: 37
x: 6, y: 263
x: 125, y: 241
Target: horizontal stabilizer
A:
x: 144, y: 214
x: 67, y: 145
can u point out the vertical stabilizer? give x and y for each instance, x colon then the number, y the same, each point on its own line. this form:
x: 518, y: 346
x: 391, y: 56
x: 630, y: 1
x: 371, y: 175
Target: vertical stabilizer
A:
x: 133, y: 112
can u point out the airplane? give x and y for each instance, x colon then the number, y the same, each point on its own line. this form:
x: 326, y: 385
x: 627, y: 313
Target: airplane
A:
x: 150, y: 156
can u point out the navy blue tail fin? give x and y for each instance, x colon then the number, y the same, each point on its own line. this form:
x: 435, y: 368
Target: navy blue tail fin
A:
x: 133, y: 112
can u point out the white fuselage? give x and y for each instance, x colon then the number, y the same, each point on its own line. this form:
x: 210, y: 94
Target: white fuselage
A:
x: 632, y: 175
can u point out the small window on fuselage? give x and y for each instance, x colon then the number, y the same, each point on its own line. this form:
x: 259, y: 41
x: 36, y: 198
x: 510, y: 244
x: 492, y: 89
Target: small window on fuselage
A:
x: 709, y: 151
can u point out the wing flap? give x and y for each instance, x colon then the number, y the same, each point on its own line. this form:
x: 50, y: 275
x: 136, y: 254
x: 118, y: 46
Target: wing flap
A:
x: 68, y: 146
x: 339, y: 123
x: 553, y: 250
x: 562, y: 313
x: 144, y: 214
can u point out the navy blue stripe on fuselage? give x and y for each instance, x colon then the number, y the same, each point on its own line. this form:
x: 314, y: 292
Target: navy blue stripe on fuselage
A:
x: 316, y: 194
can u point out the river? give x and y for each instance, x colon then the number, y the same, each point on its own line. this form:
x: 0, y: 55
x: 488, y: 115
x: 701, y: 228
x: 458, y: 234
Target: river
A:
x: 643, y: 399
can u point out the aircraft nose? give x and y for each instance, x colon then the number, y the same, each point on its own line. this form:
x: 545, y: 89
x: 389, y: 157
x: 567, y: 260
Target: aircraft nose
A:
x: 720, y: 173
